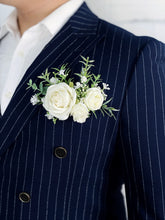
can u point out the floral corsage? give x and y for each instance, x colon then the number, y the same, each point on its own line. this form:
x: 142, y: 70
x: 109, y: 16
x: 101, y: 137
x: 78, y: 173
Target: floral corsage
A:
x: 61, y: 97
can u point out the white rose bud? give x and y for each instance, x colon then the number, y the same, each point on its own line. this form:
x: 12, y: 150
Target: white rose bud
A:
x: 54, y: 80
x: 59, y: 100
x: 80, y: 112
x: 94, y: 99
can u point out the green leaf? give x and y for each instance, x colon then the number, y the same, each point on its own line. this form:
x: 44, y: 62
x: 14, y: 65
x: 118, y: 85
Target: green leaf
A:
x: 34, y: 87
x: 108, y: 101
x: 94, y: 114
x: 54, y: 120
x: 41, y: 87
x: 71, y: 84
x: 115, y: 110
x: 29, y: 84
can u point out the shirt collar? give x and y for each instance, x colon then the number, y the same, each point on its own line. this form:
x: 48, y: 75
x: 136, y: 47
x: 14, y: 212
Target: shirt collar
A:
x: 10, y: 25
x: 52, y: 22
x: 61, y: 15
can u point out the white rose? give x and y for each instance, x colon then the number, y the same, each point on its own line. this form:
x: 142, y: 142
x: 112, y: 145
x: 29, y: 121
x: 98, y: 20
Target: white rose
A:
x: 59, y: 100
x: 94, y: 99
x: 80, y: 112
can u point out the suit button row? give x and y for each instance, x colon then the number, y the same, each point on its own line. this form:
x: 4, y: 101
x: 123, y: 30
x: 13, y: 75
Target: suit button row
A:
x: 59, y: 152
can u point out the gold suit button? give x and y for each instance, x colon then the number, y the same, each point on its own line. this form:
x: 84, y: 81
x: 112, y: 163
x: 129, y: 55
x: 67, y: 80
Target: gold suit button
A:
x: 60, y: 152
x: 24, y: 197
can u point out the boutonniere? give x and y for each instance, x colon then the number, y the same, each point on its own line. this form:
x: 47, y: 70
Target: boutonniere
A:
x: 61, y: 97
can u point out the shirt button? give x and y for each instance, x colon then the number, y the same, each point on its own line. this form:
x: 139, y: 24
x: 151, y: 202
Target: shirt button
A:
x: 60, y: 152
x: 24, y: 197
x: 21, y: 53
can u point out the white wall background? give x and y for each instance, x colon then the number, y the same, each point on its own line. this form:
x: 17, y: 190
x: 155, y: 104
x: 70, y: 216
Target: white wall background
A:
x: 142, y: 17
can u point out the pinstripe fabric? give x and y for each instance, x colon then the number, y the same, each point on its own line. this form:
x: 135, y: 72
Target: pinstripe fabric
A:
x: 103, y: 152
x: 142, y: 135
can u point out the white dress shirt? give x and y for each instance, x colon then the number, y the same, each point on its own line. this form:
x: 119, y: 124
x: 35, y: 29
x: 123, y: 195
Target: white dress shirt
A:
x: 17, y: 53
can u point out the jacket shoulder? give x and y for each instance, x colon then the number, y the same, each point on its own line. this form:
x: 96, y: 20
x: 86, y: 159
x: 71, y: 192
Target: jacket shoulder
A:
x: 119, y: 35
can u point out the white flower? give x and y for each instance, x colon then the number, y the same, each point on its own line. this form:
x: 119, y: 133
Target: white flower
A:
x: 80, y: 112
x: 78, y: 85
x: 105, y: 95
x: 59, y: 100
x: 94, y: 99
x: 62, y: 72
x: 106, y: 86
x: 49, y: 116
x: 83, y: 79
x: 34, y: 100
x: 54, y: 80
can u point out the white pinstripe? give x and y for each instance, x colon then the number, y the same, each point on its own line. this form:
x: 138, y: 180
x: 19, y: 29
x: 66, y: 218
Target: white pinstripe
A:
x: 156, y: 133
x: 148, y: 144
x: 92, y: 161
x: 117, y: 71
x: 89, y: 176
x: 8, y: 189
x: 59, y: 175
x: 85, y: 24
x: 51, y: 174
x: 69, y: 171
x: 58, y: 184
x: 83, y: 170
x: 128, y: 189
x: 137, y: 119
x: 42, y: 172
x: 161, y: 87
x: 140, y: 157
x: 3, y: 179
x: 25, y: 173
x: 74, y: 173
x: 84, y: 14
x: 97, y: 167
x: 111, y: 51
x: 84, y: 19
x: 34, y: 162
x: 18, y: 167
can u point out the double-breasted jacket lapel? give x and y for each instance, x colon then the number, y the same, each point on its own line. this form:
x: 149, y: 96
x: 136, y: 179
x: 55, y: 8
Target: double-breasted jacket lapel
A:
x: 74, y: 39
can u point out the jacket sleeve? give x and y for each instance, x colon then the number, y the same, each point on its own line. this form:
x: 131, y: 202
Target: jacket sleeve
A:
x: 142, y: 135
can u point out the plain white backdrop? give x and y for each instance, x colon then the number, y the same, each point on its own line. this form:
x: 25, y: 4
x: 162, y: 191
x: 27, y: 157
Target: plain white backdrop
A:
x: 140, y: 17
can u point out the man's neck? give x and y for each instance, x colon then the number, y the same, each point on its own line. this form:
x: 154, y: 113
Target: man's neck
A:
x: 27, y: 17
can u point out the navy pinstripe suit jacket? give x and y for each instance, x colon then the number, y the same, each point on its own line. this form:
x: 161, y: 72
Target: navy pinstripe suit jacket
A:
x: 101, y: 153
